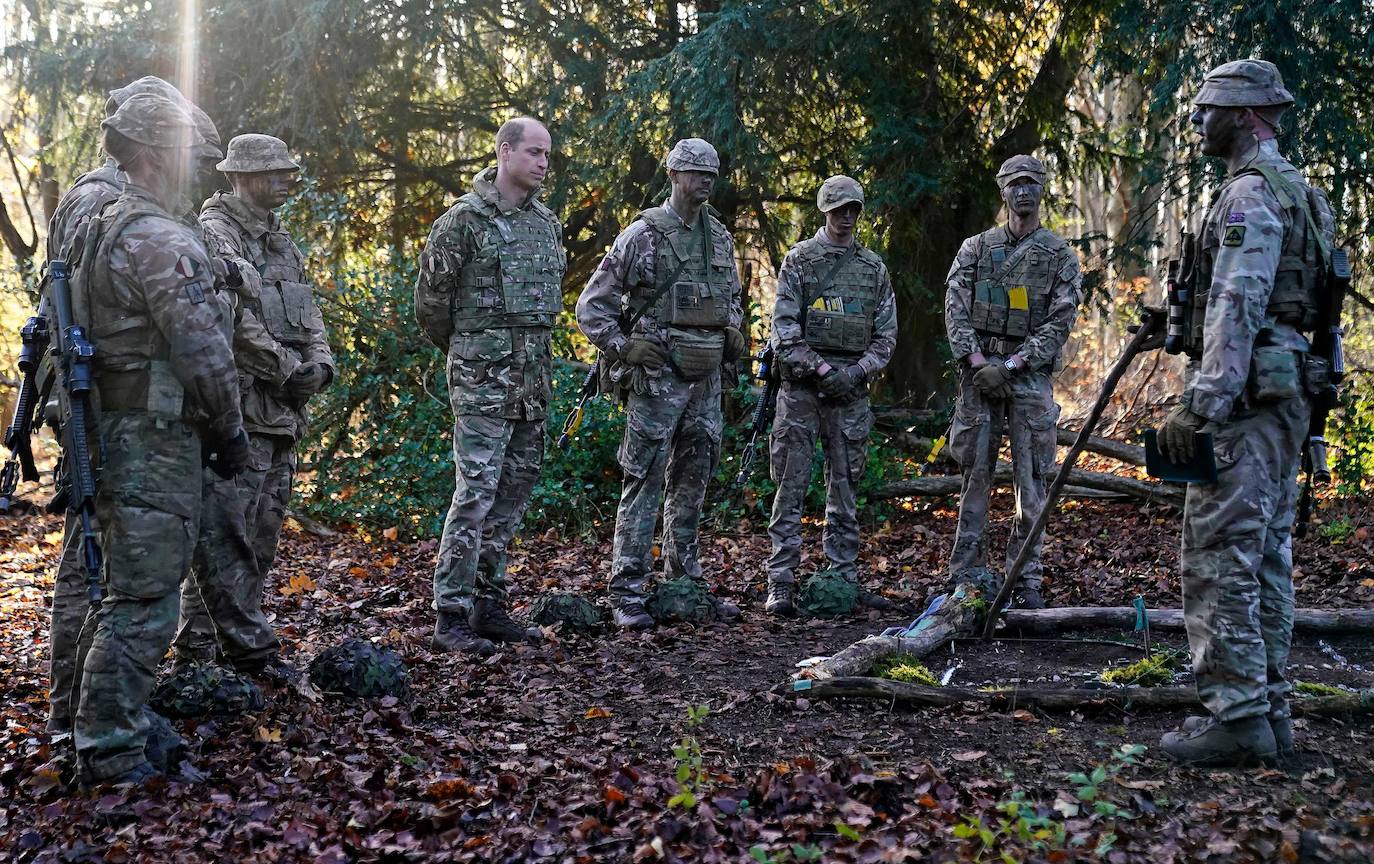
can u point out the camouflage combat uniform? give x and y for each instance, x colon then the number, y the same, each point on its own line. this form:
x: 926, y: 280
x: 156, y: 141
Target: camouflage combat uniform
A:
x: 277, y: 328
x: 143, y: 283
x: 1237, y: 559
x: 497, y: 268
x: 673, y: 423
x: 834, y: 306
x: 1007, y: 295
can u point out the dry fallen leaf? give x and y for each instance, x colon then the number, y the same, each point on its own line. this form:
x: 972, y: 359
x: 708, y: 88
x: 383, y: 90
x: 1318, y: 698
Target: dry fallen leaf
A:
x: 596, y: 712
x: 969, y: 755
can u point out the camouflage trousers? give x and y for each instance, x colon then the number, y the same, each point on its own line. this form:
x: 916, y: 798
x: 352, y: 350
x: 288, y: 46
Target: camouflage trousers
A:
x: 1028, y: 418
x: 149, y: 508
x: 221, y: 601
x: 669, y: 452
x: 497, y: 463
x: 1237, y: 562
x: 71, y: 604
x: 843, y: 428
x: 240, y: 529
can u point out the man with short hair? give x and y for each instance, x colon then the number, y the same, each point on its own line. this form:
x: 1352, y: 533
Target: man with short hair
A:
x: 1265, y: 245
x: 673, y: 271
x: 834, y: 328
x: 489, y: 293
x: 1010, y: 301
x: 144, y: 287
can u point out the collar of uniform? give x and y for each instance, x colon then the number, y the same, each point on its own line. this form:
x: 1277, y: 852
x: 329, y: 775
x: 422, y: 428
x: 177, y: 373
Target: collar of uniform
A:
x: 133, y: 190
x: 830, y: 245
x: 1011, y: 239
x: 255, y: 221
x: 668, y: 208
x: 484, y: 185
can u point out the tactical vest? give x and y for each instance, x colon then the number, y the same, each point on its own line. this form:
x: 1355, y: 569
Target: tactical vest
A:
x: 838, y: 314
x: 286, y: 304
x: 1295, y: 299
x: 699, y: 295
x: 516, y: 279
x: 132, y: 359
x: 1012, y: 284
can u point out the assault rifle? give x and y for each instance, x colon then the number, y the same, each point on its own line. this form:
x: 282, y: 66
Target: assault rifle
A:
x: 19, y: 435
x: 75, y: 356
x: 1326, y: 345
x: 762, y: 418
x: 1179, y: 288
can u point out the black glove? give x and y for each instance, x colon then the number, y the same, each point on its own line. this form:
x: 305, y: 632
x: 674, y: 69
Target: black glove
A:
x: 306, y: 381
x: 1155, y: 318
x: 993, y: 380
x: 734, y: 344
x: 642, y: 352
x: 229, y: 457
x: 1176, y: 435
x: 835, y: 384
x: 854, y: 374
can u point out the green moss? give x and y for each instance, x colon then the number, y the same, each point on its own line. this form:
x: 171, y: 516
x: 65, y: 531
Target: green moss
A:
x: 1147, y: 672
x: 1312, y: 688
x: 904, y: 667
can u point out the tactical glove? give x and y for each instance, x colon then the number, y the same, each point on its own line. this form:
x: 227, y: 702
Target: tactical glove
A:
x: 993, y: 380
x: 306, y: 381
x: 1176, y: 435
x: 734, y: 344
x: 228, y: 457
x: 854, y: 374
x: 642, y: 352
x: 835, y: 384
x: 1151, y: 318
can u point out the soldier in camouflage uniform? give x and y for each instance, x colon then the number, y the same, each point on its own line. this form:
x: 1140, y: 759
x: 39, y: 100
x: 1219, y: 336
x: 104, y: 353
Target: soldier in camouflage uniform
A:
x: 143, y: 284
x: 283, y: 359
x: 1264, y: 246
x: 488, y: 293
x: 676, y: 265
x: 834, y: 328
x: 1010, y: 301
x: 84, y: 200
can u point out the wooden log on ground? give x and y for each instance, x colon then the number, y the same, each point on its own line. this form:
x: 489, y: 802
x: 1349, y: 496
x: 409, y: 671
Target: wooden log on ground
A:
x: 1041, y: 621
x: 1131, y: 454
x: 950, y: 485
x: 957, y: 617
x: 1047, y: 698
x: 895, y: 422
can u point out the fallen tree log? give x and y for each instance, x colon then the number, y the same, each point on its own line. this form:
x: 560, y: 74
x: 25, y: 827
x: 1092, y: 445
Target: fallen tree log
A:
x: 895, y: 424
x: 1049, y: 699
x: 1095, y: 480
x: 1041, y: 621
x: 1130, y: 454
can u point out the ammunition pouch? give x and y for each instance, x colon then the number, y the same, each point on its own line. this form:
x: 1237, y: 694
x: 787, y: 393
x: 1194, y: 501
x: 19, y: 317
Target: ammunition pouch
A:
x: 153, y: 389
x: 1317, y: 380
x: 289, y: 312
x: 1275, y: 374
x: 697, y: 304
x: 1011, y: 291
x: 696, y: 355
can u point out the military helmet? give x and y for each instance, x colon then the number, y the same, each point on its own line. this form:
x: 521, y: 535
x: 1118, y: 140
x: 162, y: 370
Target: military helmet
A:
x: 1020, y: 166
x: 838, y: 191
x: 146, y: 84
x: 693, y: 154
x: 254, y: 153
x: 208, y: 148
x: 1244, y: 84
x: 155, y: 121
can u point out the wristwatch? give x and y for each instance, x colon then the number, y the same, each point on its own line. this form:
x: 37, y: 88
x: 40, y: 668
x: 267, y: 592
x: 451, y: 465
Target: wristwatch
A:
x: 1010, y: 364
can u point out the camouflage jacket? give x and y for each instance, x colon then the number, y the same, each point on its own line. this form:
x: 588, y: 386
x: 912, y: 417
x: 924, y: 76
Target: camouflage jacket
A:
x: 501, y: 371
x: 1243, y: 233
x: 160, y: 274
x: 801, y: 359
x: 1042, y: 345
x: 253, y: 240
x: 91, y: 191
x: 627, y: 270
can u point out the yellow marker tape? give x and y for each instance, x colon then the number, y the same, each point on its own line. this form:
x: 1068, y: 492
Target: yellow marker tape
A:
x: 936, y: 448
x: 1016, y: 297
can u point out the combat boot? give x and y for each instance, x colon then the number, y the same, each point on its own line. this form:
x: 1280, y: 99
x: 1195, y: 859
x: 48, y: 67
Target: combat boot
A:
x: 1282, y: 726
x: 452, y: 634
x: 780, y: 600
x: 630, y: 614
x: 135, y: 776
x: 490, y: 620
x: 1027, y: 598
x: 1244, y: 742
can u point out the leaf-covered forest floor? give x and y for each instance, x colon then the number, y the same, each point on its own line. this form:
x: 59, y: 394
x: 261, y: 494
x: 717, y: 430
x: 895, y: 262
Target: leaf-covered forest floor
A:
x: 566, y: 751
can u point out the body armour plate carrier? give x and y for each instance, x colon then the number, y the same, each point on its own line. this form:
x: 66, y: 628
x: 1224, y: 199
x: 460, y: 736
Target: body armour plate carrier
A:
x: 839, y: 314
x: 516, y: 278
x: 699, y: 296
x: 1012, y: 284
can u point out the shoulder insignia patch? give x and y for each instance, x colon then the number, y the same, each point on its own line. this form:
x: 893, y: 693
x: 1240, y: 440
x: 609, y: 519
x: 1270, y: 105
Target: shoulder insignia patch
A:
x: 1235, y: 219
x: 1234, y: 236
x: 195, y: 291
x: 187, y: 267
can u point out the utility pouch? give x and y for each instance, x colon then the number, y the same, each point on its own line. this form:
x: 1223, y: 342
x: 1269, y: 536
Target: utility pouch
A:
x: 1316, y: 375
x: 1274, y: 374
x: 696, y: 355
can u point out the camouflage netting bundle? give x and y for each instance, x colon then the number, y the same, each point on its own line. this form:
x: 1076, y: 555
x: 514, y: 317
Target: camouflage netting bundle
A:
x: 576, y: 614
x: 681, y: 600
x: 828, y: 594
x: 359, y: 668
x: 204, y: 689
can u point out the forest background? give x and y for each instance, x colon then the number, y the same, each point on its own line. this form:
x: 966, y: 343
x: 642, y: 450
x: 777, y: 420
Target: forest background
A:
x: 392, y: 106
